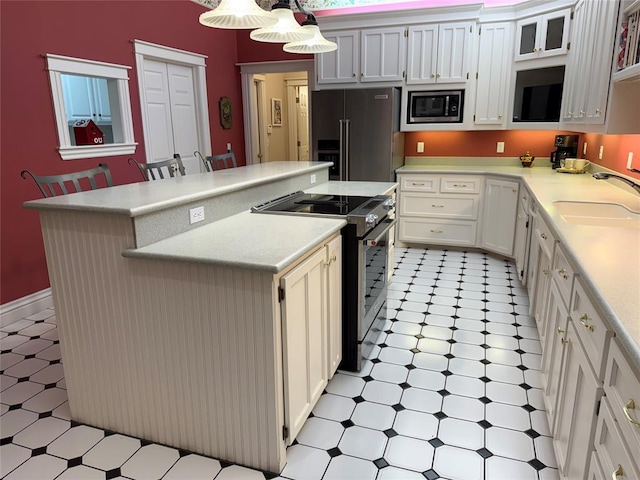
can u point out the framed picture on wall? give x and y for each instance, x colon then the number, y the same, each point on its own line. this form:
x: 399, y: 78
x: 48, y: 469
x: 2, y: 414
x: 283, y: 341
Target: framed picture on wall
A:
x: 276, y: 112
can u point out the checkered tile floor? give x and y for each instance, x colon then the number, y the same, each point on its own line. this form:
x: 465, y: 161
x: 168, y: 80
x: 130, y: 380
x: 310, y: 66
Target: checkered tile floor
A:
x: 452, y: 390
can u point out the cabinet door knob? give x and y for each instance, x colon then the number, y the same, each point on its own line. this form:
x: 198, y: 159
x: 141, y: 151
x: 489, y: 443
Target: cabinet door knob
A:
x: 543, y: 236
x: 546, y: 272
x: 584, y: 319
x: 433, y: 75
x: 564, y: 341
x: 618, y: 472
x: 563, y: 273
x: 437, y: 75
x: 631, y: 405
x: 560, y: 331
x: 500, y: 115
x: 353, y: 74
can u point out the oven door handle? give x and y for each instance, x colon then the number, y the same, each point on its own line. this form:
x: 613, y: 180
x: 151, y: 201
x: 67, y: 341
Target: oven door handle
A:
x: 377, y: 233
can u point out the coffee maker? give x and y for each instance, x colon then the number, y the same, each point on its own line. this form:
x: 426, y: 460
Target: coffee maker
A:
x: 566, y: 147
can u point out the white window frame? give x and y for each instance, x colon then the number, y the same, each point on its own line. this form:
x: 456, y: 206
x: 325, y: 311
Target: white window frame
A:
x: 121, y: 116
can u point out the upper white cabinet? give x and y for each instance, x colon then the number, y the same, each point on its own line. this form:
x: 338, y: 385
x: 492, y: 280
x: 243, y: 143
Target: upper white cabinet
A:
x: 543, y: 35
x: 439, y: 53
x: 494, y: 66
x: 367, y: 55
x: 341, y: 65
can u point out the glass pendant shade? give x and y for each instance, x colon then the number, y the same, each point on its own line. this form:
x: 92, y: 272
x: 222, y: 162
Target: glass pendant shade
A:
x: 317, y: 44
x: 285, y: 30
x: 238, y: 14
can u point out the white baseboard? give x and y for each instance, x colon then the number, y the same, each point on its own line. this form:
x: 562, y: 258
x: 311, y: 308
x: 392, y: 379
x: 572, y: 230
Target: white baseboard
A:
x: 25, y: 306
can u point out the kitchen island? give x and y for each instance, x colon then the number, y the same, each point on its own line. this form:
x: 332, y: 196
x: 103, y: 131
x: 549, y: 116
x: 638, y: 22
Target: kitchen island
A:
x: 174, y: 332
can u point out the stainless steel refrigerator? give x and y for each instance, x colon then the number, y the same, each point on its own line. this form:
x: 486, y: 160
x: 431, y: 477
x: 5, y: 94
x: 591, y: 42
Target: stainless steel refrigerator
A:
x: 359, y: 131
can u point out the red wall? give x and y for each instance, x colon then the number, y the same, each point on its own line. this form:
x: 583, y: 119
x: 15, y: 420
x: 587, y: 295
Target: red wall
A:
x: 516, y: 142
x: 97, y: 30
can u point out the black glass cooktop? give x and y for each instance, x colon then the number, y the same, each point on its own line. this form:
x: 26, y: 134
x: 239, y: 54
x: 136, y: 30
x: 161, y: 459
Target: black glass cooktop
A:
x: 315, y: 203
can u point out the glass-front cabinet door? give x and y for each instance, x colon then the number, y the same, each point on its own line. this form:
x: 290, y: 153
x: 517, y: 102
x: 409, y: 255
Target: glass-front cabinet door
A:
x: 543, y: 35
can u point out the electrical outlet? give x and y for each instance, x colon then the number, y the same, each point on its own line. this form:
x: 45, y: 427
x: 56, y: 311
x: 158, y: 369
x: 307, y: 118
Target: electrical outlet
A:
x: 629, y: 160
x: 584, y: 149
x: 500, y: 147
x: 420, y: 147
x: 312, y: 180
x: 601, y: 152
x: 228, y: 147
x: 196, y: 214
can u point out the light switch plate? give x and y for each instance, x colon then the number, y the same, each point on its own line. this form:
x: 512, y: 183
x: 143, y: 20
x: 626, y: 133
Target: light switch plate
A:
x: 584, y: 149
x: 601, y: 152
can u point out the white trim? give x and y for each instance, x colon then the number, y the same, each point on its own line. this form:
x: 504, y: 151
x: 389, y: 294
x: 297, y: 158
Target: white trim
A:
x: 146, y: 50
x: 23, y: 307
x: 122, y: 120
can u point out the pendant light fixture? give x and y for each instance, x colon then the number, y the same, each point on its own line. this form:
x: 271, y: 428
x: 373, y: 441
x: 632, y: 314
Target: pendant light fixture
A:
x: 286, y: 29
x: 317, y: 43
x: 238, y: 14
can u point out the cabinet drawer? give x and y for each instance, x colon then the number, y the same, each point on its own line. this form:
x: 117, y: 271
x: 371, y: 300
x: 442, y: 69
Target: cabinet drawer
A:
x: 464, y: 207
x: 437, y: 231
x: 622, y: 387
x: 419, y: 183
x: 458, y: 184
x: 592, y: 330
x: 617, y: 458
x: 543, y: 236
x: 563, y: 273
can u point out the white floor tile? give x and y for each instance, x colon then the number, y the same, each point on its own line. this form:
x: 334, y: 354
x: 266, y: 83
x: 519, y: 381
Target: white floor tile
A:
x: 15, y: 421
x: 12, y: 341
x: 75, y: 442
x: 502, y: 341
x: 461, y: 433
x: 20, y: 392
x: 401, y: 341
x: 3, y: 408
x: 470, y: 314
x: 409, y: 453
x: 497, y: 468
x: 465, y: 386
x: 471, y: 286
x: 469, y: 324
x: 502, y: 356
x: 471, y: 295
x: 393, y: 473
x: 47, y: 400
x: 471, y: 304
x: 111, y: 452
x: 416, y: 424
x: 442, y: 310
x: 321, y: 433
x: 445, y: 292
x: 426, y: 379
x: 17, y: 326
x: 37, y: 329
x: 51, y: 353
x: 382, y: 392
x: 150, y: 462
x: 510, y: 444
x: 42, y: 432
x: 500, y: 317
x: 437, y: 300
x: 396, y: 356
x: 236, y: 472
x: 439, y: 321
x: 63, y: 411
x: 42, y: 315
x: 51, y: 334
x: 421, y: 400
x: 26, y: 368
x: 503, y: 373
x: 411, y: 317
x: 506, y: 393
x: 536, y: 399
x: 470, y: 352
x: 549, y: 474
x: 532, y: 377
x: 363, y: 442
x: 344, y: 467
x: 430, y: 361
x: 501, y: 329
x: 406, y: 328
x: 432, y: 345
x: 463, y: 408
x: 452, y: 462
x: 439, y: 333
x: 532, y: 360
x: 508, y: 416
x: 51, y: 374
x: 529, y: 332
x: 304, y: 463
x: 540, y: 422
x: 11, y: 456
x: 345, y: 385
x: 41, y: 467
x: 418, y: 307
x: 334, y: 407
x: 469, y: 368
x: 81, y: 472
x: 390, y: 373
x: 372, y: 415
x: 32, y: 346
x: 421, y: 298
x: 466, y: 336
x: 544, y: 451
x: 530, y: 346
x: 499, y: 297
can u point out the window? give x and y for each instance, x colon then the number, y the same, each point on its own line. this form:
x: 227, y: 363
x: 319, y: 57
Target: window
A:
x: 85, y: 90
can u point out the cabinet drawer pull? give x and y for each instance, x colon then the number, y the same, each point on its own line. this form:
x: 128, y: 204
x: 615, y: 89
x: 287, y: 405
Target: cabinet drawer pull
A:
x: 563, y: 273
x: 462, y: 185
x: 631, y: 405
x: 583, y: 320
x: 436, y: 231
x: 332, y: 259
x: 546, y: 272
x: 560, y: 331
x: 618, y: 472
x: 564, y: 341
x: 415, y: 184
x: 437, y: 206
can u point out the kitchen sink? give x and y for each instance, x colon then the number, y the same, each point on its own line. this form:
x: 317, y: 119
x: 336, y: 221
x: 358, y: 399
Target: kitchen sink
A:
x: 598, y: 214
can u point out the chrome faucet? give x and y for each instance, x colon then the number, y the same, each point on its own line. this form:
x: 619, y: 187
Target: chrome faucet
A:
x: 605, y: 175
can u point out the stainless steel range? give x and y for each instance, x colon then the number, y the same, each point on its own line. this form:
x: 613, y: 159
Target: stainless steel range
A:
x: 364, y: 268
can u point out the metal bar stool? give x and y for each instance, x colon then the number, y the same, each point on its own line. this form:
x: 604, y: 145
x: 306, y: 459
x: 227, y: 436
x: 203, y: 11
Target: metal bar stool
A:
x: 54, y: 185
x: 154, y: 170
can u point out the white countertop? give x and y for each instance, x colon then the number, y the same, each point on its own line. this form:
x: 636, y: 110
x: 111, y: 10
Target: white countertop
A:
x: 141, y: 198
x: 608, y: 258
x: 360, y: 189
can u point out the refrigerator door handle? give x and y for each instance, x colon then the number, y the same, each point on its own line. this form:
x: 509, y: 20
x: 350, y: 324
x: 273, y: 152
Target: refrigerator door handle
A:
x: 341, y: 150
x: 347, y: 148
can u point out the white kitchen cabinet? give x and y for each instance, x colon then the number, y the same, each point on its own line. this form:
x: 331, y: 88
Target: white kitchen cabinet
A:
x: 383, y: 54
x: 441, y: 210
x: 311, y: 331
x: 439, y: 53
x: 575, y: 423
x: 499, y: 217
x: 542, y: 35
x: 367, y: 55
x: 522, y: 240
x: 494, y: 67
x: 543, y: 244
x: 86, y: 97
x: 341, y: 65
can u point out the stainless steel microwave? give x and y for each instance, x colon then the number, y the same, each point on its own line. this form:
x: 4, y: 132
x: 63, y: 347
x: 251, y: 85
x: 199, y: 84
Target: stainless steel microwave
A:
x: 435, y: 106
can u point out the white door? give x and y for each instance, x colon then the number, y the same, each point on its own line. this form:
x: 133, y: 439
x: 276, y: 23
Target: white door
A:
x: 171, y: 113
x: 302, y: 123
